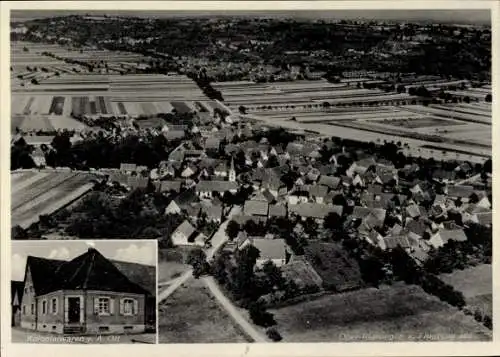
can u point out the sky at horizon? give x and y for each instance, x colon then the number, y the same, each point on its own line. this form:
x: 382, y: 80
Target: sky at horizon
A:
x: 143, y: 251
x: 476, y: 16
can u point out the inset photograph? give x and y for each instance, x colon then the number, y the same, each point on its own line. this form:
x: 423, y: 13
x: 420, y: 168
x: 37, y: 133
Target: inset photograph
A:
x: 83, y: 291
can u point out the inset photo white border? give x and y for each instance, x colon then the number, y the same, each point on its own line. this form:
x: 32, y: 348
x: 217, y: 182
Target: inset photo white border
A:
x: 84, y: 291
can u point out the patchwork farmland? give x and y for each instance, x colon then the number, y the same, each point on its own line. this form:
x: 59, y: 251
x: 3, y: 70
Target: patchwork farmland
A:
x: 49, y: 94
x: 36, y: 193
x: 58, y: 103
x: 459, y: 130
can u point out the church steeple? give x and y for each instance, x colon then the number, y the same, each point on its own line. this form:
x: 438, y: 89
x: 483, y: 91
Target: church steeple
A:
x: 232, y: 171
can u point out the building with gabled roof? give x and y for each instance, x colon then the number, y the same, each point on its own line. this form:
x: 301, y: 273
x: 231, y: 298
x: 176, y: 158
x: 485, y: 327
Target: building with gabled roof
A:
x: 314, y: 210
x: 274, y: 250
x: 442, y: 237
x: 88, y: 294
x: 205, y: 188
x: 256, y: 208
x: 186, y: 234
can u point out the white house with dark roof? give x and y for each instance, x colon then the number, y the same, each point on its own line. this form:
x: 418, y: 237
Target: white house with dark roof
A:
x: 442, y: 236
x: 172, y: 208
x: 274, y: 250
x: 186, y: 234
x: 205, y: 189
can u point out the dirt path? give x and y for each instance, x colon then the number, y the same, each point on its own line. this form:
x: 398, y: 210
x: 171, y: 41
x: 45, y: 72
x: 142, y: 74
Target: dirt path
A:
x: 250, y: 330
x: 178, y: 283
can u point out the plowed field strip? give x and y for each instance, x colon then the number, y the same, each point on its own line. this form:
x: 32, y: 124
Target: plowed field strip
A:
x: 35, y: 190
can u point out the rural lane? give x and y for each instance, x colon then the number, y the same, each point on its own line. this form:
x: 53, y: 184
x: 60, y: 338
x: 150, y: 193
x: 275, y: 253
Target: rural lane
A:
x: 174, y: 286
x: 472, y: 178
x: 218, y: 239
x: 232, y: 310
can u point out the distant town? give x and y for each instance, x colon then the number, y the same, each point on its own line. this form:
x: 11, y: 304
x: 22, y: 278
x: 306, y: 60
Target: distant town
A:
x: 305, y: 180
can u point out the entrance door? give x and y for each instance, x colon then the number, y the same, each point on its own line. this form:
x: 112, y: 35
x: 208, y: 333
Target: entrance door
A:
x: 73, y: 309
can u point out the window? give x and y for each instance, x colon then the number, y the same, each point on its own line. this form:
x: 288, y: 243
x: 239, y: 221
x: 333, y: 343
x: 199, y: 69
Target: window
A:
x: 32, y: 309
x: 44, y: 307
x: 128, y: 307
x: 24, y: 309
x: 53, y: 305
x: 103, y: 307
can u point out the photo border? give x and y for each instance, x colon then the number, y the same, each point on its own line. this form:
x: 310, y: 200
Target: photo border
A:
x: 220, y: 350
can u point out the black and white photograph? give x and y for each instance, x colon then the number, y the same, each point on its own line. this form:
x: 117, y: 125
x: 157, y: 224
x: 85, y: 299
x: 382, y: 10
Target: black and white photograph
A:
x: 80, y: 292
x: 306, y: 176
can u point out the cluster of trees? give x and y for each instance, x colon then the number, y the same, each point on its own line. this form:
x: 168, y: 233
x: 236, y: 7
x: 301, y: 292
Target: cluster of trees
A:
x: 238, y: 275
x: 139, y: 215
x: 277, y: 136
x: 454, y: 255
x: 106, y: 152
x: 198, y: 260
x: 281, y: 42
x: 20, y: 155
x: 479, y: 315
x: 384, y: 267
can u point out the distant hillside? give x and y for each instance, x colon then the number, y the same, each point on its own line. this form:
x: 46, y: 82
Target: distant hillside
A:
x: 479, y: 17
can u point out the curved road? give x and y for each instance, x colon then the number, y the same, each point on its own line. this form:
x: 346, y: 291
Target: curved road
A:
x: 218, y: 239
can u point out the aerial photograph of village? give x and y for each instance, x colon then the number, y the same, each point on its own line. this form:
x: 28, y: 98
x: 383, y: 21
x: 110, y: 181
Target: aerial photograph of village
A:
x: 316, y: 176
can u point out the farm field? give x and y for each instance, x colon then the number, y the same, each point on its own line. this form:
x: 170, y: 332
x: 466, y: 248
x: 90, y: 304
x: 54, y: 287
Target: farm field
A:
x: 420, y: 122
x: 36, y: 193
x: 417, y: 146
x: 55, y: 104
x: 350, y: 112
x: 475, y: 283
x: 391, y: 313
x: 192, y: 315
x: 447, y: 111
